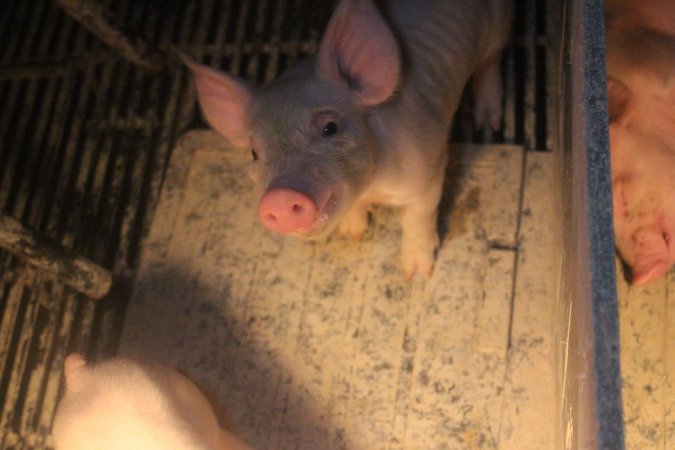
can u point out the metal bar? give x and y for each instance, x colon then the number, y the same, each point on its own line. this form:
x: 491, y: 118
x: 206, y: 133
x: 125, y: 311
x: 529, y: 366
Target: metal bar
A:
x: 92, y: 175
x: 272, y: 68
x: 175, y: 114
x: 11, y: 301
x: 219, y: 48
x: 106, y: 26
x: 65, y: 152
x: 118, y: 194
x: 252, y: 68
x: 120, y: 164
x: 130, y: 218
x: 41, y: 344
x: 56, y: 69
x: 235, y: 64
x: 295, y: 34
x: 22, y: 153
x: 530, y: 107
x: 6, y: 11
x: 552, y: 44
x: 509, y: 96
x: 50, y: 391
x: 180, y: 108
x: 11, y: 44
x: 83, y: 175
x: 43, y: 372
x: 14, y: 339
x: 51, y: 110
x: 75, y: 271
x: 18, y: 47
x: 216, y: 51
x: 132, y: 188
x: 11, y: 110
x: 115, y: 168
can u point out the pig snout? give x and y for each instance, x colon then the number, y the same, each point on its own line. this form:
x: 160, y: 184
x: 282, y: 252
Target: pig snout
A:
x: 654, y: 258
x: 285, y: 211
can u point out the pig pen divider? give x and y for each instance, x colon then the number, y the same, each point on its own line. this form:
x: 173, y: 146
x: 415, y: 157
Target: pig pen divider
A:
x: 587, y: 355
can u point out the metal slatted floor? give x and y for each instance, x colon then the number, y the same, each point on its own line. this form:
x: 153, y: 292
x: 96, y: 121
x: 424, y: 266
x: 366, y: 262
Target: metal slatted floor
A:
x: 85, y: 138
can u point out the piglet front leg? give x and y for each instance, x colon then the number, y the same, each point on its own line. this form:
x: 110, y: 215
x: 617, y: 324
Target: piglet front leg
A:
x: 355, y: 223
x: 419, y: 224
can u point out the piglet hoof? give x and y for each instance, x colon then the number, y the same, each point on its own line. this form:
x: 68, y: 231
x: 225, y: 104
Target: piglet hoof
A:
x: 488, y: 119
x: 354, y: 225
x: 487, y: 88
x: 72, y: 363
x: 419, y: 259
x: 420, y: 264
x: 354, y: 236
x: 357, y: 237
x: 487, y: 114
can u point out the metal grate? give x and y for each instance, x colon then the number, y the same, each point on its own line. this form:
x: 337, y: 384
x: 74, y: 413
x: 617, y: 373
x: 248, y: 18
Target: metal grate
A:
x: 526, y: 66
x: 85, y: 137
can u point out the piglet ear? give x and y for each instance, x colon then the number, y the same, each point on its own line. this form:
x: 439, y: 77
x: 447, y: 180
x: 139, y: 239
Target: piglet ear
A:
x: 359, y: 50
x: 224, y: 101
x: 618, y: 96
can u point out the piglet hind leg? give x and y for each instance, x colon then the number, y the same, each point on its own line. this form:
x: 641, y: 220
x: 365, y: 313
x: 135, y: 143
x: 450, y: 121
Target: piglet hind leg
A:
x: 487, y: 95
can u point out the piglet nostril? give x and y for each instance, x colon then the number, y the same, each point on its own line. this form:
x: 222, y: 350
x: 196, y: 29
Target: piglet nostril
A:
x: 284, y: 210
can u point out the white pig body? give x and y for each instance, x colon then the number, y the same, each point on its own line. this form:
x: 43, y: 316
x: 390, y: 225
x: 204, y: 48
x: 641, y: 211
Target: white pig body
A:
x: 123, y: 404
x: 367, y: 120
x: 641, y: 85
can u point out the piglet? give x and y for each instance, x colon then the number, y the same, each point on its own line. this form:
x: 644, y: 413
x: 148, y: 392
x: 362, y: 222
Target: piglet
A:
x: 123, y: 404
x: 366, y: 120
x: 641, y: 92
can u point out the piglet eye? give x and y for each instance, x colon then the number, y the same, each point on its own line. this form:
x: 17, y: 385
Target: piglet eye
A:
x: 254, y: 155
x: 329, y: 129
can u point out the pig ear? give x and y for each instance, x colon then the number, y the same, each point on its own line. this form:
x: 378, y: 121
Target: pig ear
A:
x: 224, y: 101
x: 359, y: 50
x: 618, y: 96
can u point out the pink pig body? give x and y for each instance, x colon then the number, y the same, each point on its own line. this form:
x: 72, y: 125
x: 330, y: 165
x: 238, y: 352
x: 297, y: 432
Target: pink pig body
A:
x: 367, y: 120
x: 641, y: 90
x: 123, y: 404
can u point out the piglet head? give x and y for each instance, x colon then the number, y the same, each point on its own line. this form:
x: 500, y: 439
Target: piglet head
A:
x: 309, y: 131
x: 642, y: 141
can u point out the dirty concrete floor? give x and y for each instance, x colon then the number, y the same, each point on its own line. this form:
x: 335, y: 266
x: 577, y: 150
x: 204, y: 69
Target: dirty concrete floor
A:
x: 647, y: 323
x: 324, y: 345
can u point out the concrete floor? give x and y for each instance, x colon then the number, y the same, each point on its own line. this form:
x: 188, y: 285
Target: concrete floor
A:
x: 647, y: 321
x: 324, y: 345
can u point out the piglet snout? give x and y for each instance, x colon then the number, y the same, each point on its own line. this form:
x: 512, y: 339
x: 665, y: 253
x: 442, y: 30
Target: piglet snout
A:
x: 284, y: 210
x: 653, y: 259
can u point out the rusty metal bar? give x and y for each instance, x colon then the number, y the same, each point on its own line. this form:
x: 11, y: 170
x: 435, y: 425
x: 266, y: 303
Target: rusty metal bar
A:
x: 106, y: 26
x: 77, y: 272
